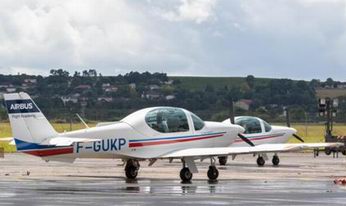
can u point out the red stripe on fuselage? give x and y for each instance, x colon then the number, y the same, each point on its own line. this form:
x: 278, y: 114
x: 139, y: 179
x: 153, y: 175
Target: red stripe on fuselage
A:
x: 141, y: 144
x: 43, y: 153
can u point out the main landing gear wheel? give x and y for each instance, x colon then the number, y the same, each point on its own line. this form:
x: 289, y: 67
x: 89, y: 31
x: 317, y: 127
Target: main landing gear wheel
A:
x: 275, y: 160
x: 131, y: 169
x: 185, y: 174
x: 327, y: 150
x: 260, y: 161
x: 343, y: 152
x: 222, y: 161
x: 213, y: 173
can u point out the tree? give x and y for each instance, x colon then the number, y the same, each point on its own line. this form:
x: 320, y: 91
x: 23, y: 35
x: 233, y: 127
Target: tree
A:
x: 330, y: 82
x: 250, y: 80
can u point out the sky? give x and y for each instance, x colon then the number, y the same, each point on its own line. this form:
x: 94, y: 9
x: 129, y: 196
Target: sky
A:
x: 299, y: 39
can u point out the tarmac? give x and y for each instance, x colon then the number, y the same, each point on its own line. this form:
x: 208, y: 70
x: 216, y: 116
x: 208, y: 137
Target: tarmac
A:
x: 300, y: 179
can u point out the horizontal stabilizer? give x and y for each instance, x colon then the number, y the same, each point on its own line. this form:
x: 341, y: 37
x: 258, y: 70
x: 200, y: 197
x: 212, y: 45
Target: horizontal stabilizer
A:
x: 6, y: 139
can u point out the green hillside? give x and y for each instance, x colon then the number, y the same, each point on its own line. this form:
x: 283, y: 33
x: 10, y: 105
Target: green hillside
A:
x: 199, y: 83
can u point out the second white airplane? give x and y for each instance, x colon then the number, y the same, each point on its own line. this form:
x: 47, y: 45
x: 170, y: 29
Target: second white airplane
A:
x: 260, y: 132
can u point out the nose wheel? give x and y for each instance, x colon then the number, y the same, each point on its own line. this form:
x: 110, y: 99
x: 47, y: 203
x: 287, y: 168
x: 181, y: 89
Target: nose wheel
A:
x: 131, y: 169
x: 260, y: 161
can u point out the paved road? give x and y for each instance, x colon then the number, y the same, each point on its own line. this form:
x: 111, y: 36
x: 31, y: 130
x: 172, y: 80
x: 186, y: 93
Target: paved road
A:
x: 300, y: 180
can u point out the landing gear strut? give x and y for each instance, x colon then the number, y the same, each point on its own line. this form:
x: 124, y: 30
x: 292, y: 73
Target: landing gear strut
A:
x: 131, y: 169
x: 260, y: 161
x: 275, y: 160
x: 223, y: 160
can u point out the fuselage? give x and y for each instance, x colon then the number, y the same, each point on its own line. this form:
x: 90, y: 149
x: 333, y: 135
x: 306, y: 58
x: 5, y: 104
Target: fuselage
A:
x: 260, y: 132
x: 138, y: 136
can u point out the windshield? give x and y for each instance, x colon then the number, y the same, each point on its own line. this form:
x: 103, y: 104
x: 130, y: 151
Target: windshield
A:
x: 166, y: 120
x: 250, y: 124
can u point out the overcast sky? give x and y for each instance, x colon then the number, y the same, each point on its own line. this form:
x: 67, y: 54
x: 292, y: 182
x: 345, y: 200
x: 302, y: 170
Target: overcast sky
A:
x: 301, y: 39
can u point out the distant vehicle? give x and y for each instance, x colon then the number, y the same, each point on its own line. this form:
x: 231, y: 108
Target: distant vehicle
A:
x: 260, y: 132
x: 148, y: 134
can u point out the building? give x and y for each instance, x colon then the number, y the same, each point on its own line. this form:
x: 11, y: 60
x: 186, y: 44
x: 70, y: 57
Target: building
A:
x: 30, y: 81
x: 105, y: 99
x: 132, y: 85
x: 243, y: 104
x: 170, y: 97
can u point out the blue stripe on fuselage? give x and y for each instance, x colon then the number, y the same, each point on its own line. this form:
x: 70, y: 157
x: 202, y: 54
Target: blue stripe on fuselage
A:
x: 23, y: 145
x: 170, y: 138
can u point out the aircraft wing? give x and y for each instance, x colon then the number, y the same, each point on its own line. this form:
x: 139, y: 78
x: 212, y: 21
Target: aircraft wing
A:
x: 67, y: 141
x: 264, y: 148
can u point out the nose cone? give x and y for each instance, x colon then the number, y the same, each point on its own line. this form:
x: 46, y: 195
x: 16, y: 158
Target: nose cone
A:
x: 287, y: 130
x: 240, y: 129
x: 292, y: 130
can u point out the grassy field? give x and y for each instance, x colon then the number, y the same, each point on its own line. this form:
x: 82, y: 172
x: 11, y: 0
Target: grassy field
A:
x: 331, y: 93
x: 311, y: 133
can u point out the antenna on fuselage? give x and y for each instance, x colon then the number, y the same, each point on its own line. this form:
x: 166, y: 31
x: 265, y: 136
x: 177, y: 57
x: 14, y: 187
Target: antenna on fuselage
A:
x: 81, y: 119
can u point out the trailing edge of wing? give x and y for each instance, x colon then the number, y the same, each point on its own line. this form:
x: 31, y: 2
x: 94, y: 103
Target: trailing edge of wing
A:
x: 264, y: 148
x: 67, y: 141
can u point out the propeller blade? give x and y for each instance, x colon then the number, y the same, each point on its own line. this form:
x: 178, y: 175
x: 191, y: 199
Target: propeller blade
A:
x: 297, y: 137
x: 246, y: 140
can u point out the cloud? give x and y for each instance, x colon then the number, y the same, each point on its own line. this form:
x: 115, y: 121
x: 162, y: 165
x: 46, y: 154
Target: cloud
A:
x: 191, y: 10
x: 274, y: 38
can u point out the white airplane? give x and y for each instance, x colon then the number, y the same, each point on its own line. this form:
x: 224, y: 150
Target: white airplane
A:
x: 148, y: 134
x: 260, y: 132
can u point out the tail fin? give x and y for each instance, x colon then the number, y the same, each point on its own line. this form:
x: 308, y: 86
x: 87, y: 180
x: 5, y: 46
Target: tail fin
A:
x: 27, y: 121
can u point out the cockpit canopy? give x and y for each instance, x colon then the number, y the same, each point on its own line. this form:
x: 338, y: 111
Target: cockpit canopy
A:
x: 164, y: 120
x: 253, y: 125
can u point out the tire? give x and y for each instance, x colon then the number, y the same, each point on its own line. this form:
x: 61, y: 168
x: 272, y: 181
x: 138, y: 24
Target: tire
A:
x: 260, y: 161
x: 343, y: 152
x: 131, y: 172
x: 185, y: 174
x: 327, y: 150
x: 213, y: 173
x: 275, y: 160
x: 223, y: 160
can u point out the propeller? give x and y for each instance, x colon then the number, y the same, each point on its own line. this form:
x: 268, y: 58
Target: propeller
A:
x: 232, y: 119
x: 288, y: 123
x: 298, y: 138
x: 242, y: 137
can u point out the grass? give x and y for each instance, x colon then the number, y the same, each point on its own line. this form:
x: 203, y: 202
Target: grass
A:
x: 310, y: 133
x: 331, y: 93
